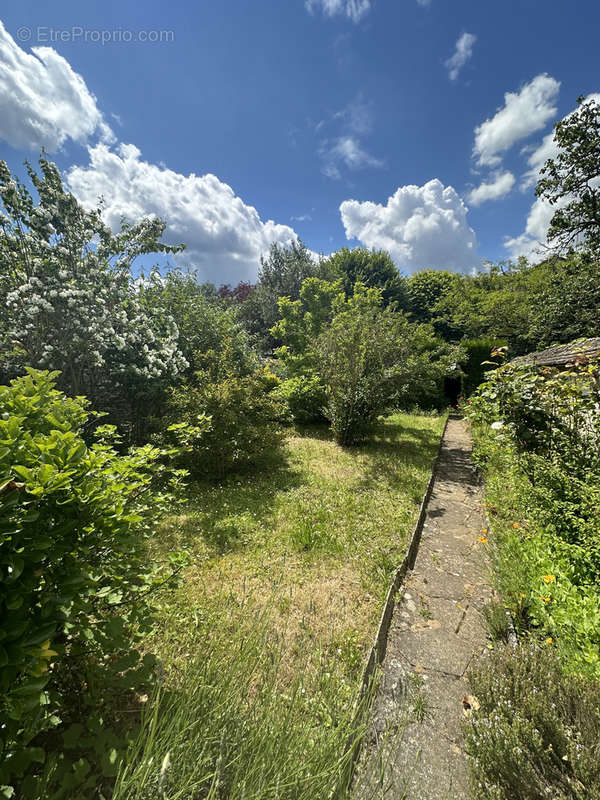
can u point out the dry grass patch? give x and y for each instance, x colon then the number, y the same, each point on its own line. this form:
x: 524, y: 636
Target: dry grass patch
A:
x: 315, y: 538
x: 264, y: 641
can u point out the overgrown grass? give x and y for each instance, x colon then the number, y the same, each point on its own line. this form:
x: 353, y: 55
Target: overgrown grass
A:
x: 263, y: 643
x: 317, y: 536
x: 235, y: 725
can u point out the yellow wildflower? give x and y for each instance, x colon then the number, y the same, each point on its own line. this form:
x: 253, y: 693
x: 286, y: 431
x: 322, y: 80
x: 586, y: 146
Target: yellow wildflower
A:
x: 549, y: 579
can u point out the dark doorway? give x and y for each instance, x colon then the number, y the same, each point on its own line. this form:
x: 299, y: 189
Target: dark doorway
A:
x: 452, y: 390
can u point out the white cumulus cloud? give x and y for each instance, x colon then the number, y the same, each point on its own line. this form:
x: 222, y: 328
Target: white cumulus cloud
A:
x: 420, y: 226
x: 44, y: 101
x: 345, y: 151
x: 530, y: 242
x: 463, y: 51
x: 353, y: 9
x: 523, y: 113
x: 500, y: 184
x: 225, y: 237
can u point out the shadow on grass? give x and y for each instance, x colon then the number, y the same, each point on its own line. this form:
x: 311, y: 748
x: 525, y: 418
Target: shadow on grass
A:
x: 397, y: 453
x: 215, y: 511
x: 228, y: 515
x: 322, y: 432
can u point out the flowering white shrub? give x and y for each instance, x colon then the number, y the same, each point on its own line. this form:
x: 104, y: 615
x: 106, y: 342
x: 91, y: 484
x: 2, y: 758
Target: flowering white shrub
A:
x: 68, y: 299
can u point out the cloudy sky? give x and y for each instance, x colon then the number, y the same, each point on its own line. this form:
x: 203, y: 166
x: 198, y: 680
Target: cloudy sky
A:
x: 417, y: 126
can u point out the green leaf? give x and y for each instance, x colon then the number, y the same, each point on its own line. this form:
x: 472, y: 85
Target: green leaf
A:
x: 40, y: 635
x: 72, y: 736
x: 24, y: 472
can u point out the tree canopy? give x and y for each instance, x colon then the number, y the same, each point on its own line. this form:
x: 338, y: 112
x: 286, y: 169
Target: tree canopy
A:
x: 571, y: 180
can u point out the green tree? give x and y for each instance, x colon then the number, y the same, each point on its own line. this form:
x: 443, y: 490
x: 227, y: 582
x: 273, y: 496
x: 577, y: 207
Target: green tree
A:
x: 373, y: 268
x: 496, y: 303
x: 208, y: 329
x: 566, y: 304
x: 281, y: 274
x: 68, y: 300
x: 571, y: 180
x: 301, y: 323
x: 425, y: 289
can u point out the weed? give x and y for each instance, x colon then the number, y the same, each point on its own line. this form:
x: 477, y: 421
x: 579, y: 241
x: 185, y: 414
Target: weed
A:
x: 421, y: 707
x: 497, y: 621
x: 424, y: 609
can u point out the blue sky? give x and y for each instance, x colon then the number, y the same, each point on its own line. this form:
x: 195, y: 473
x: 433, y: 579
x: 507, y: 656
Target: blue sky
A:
x: 255, y: 121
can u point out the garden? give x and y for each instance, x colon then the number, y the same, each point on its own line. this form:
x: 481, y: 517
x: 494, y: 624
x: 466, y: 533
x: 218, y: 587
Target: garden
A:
x: 205, y: 492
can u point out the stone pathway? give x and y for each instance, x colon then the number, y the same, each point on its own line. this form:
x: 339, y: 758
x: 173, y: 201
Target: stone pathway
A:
x: 414, y: 748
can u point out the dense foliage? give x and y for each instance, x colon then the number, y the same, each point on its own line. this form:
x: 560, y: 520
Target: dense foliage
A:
x: 349, y: 357
x: 68, y: 300
x: 372, y: 268
x: 73, y: 579
x: 226, y: 424
x: 371, y: 359
x: 542, y: 427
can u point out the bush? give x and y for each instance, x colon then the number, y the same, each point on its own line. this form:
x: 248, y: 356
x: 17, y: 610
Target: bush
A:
x: 428, y: 362
x: 246, y: 419
x: 306, y: 398
x: 73, y: 574
x: 538, y: 439
x: 209, y: 334
x: 536, y: 733
x: 372, y: 360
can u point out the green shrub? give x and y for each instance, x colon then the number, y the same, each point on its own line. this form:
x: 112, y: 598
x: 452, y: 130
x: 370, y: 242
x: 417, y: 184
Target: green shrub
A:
x: 536, y: 733
x: 370, y: 359
x: 246, y: 422
x: 73, y: 573
x: 537, y: 438
x: 306, y: 398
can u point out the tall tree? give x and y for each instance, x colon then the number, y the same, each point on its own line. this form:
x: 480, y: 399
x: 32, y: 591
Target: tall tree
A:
x: 571, y: 180
x: 373, y: 268
x: 68, y: 300
x: 281, y: 274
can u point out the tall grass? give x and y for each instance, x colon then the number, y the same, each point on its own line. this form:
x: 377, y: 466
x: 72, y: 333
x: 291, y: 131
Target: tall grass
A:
x: 232, y: 724
x: 264, y: 641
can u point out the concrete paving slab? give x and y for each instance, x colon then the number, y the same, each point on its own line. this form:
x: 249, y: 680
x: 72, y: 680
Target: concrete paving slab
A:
x: 414, y: 749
